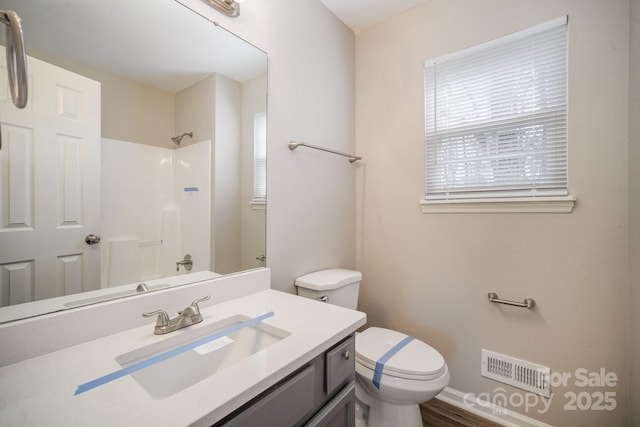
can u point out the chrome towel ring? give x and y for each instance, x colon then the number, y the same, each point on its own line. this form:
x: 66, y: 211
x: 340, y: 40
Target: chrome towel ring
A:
x: 16, y: 58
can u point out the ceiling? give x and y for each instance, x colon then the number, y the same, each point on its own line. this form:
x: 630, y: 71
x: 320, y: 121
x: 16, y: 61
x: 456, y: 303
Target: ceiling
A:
x: 362, y: 14
x: 89, y: 27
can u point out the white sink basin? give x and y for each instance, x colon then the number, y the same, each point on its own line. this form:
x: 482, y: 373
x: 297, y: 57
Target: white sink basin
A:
x: 192, y: 354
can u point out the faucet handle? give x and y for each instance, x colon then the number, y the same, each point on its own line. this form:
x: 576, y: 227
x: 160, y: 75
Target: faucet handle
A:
x: 163, y: 317
x: 194, y: 304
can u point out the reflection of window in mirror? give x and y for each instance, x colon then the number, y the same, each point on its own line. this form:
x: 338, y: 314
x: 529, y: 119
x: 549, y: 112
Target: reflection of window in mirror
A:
x: 259, y: 160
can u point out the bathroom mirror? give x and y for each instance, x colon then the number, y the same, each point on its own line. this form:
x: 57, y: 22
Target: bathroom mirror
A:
x: 139, y: 158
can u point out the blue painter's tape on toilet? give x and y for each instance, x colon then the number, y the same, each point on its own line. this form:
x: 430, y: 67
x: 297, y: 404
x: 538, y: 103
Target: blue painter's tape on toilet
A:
x: 377, y: 374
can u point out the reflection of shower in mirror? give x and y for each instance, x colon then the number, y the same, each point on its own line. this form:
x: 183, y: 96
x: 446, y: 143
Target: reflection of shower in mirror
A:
x: 178, y: 139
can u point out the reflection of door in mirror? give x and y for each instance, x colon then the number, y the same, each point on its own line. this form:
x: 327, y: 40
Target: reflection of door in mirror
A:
x: 49, y: 187
x: 156, y: 202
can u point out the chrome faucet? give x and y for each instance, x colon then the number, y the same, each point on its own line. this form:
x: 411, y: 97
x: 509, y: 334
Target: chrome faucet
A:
x: 187, y: 317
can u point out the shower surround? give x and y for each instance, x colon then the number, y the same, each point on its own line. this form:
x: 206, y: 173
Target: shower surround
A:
x: 156, y: 207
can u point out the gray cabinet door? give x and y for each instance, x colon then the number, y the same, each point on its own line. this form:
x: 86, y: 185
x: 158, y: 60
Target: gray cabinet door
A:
x: 283, y: 406
x: 339, y: 412
x: 339, y: 363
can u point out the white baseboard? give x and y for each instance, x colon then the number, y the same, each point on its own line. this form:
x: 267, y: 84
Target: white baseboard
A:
x: 487, y: 410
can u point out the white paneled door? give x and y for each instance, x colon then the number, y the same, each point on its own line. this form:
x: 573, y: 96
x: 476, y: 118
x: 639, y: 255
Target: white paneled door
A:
x: 49, y: 186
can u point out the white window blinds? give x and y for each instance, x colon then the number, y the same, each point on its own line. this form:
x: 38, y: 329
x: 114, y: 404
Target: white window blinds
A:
x: 259, y: 158
x: 496, y: 117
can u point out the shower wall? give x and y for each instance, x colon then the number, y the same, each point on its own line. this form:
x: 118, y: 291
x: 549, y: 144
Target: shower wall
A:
x: 155, y: 207
x: 213, y: 110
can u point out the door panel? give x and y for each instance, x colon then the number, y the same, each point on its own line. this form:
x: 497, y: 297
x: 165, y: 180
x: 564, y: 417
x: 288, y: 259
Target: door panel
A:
x: 49, y: 186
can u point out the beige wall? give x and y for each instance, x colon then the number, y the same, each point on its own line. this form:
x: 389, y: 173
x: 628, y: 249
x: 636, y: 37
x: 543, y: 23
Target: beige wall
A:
x: 253, y: 220
x: 195, y: 111
x: 130, y: 111
x: 135, y: 112
x: 634, y: 204
x: 228, y: 146
x: 429, y: 275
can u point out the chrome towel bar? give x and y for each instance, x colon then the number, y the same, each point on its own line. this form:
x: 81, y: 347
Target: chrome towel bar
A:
x: 293, y: 145
x: 527, y: 303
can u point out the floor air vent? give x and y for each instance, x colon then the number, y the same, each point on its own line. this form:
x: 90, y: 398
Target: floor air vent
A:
x: 518, y: 373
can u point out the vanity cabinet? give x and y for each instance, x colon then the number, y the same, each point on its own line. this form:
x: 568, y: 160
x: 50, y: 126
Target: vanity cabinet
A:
x: 320, y: 393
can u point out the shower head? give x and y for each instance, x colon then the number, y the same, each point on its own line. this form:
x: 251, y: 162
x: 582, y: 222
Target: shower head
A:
x: 177, y: 139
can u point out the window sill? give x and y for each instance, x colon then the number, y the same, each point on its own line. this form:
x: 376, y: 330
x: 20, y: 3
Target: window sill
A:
x: 258, y: 206
x: 507, y: 205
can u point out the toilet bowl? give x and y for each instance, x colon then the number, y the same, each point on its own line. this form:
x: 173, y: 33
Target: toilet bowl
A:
x: 394, y: 372
x: 414, y: 374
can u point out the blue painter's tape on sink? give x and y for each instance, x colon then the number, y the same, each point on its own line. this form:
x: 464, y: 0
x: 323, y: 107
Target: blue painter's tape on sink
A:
x: 137, y: 366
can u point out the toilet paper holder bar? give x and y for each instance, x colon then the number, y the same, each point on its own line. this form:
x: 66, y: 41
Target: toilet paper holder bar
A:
x: 527, y: 303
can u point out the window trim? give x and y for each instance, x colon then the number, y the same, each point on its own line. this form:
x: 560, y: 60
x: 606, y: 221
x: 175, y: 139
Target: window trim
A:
x: 550, y: 204
x: 259, y: 201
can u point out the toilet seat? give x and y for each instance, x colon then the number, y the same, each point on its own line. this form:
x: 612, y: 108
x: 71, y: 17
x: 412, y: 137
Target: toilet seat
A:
x: 416, y: 360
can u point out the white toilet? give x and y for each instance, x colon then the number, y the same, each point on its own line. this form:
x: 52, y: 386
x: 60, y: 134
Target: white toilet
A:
x: 394, y: 372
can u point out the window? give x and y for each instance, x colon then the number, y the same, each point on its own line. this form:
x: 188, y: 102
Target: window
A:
x: 259, y: 159
x: 496, y: 119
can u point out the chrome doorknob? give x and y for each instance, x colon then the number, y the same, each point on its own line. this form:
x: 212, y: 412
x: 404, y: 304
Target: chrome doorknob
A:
x: 91, y: 239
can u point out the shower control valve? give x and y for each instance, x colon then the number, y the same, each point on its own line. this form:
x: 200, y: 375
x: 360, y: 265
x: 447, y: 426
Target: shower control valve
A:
x: 186, y: 261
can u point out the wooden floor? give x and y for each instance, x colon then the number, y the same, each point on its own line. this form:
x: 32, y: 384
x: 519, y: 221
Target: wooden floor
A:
x: 436, y: 413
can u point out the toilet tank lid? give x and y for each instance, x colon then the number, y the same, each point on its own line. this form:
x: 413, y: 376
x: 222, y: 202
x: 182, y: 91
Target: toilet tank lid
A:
x: 325, y: 280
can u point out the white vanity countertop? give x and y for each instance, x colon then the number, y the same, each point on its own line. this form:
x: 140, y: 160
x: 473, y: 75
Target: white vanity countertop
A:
x: 40, y: 391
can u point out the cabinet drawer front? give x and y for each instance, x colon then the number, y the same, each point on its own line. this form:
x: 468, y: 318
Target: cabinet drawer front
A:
x: 285, y: 405
x: 340, y: 364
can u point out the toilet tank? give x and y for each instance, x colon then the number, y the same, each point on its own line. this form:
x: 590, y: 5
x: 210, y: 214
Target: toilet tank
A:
x: 335, y: 286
